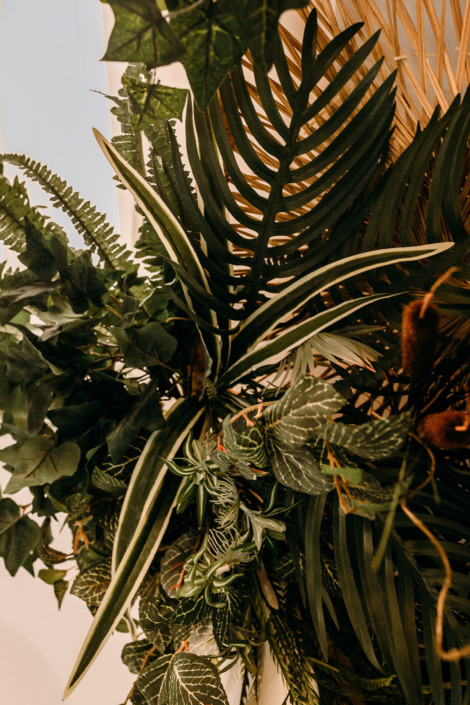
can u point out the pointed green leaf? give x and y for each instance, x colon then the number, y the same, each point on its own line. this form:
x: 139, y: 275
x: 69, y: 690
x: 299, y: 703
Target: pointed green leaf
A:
x: 172, y: 236
x: 276, y: 309
x: 152, y: 102
x: 276, y: 350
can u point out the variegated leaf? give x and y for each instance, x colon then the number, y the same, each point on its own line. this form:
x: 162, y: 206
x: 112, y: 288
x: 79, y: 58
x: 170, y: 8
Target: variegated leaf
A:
x: 375, y: 440
x: 192, y: 680
x: 244, y: 441
x: 173, y: 561
x: 150, y: 682
x: 135, y: 653
x: 303, y: 411
x: 297, y: 468
x: 91, y: 584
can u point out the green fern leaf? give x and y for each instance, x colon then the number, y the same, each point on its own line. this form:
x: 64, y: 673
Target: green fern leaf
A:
x: 88, y: 222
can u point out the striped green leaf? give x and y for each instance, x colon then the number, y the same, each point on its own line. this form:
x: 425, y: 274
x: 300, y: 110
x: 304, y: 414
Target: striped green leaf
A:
x: 274, y: 351
x: 146, y: 512
x: 172, y: 236
x: 268, y: 316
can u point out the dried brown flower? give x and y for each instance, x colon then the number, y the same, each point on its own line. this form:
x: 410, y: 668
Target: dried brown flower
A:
x: 420, y: 325
x: 447, y: 429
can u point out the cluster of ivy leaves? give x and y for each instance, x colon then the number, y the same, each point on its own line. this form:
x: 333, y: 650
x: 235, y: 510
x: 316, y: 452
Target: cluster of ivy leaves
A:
x: 209, y: 37
x: 86, y: 358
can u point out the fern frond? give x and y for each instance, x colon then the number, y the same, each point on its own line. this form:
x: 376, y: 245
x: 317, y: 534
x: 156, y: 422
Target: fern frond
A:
x: 14, y: 208
x: 88, y: 221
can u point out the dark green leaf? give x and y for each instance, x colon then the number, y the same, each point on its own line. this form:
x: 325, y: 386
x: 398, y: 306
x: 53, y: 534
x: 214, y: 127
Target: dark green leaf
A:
x: 39, y: 461
x: 37, y: 256
x: 135, y: 653
x: 375, y: 440
x: 19, y: 535
x: 153, y: 102
x: 107, y: 483
x: 145, y: 346
x: 259, y: 21
x: 210, y: 34
x: 150, y: 682
x: 174, y: 559
x: 141, y: 34
x: 144, y: 413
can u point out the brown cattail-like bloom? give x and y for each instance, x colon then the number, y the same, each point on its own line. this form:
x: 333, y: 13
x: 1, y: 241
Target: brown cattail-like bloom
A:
x: 448, y: 429
x: 420, y: 325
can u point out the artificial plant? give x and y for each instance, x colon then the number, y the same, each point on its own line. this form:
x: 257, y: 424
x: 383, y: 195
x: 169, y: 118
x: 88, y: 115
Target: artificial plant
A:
x: 223, y: 413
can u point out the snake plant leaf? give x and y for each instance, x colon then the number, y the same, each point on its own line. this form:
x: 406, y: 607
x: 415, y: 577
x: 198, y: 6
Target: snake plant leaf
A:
x: 211, y: 36
x: 303, y: 411
x: 313, y: 567
x: 192, y: 680
x: 144, y: 518
x: 173, y: 237
x: 141, y: 34
x: 375, y: 440
x: 297, y: 468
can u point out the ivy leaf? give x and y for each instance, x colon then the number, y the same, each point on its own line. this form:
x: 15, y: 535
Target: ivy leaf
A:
x: 211, y: 35
x: 244, y: 442
x: 145, y: 413
x: 92, y: 583
x: 375, y: 440
x: 259, y: 20
x: 146, y: 346
x: 302, y: 412
x: 51, y: 575
x: 297, y: 468
x: 19, y: 535
x: 141, y: 34
x: 192, y: 680
x: 38, y: 461
x: 37, y: 256
x: 153, y: 102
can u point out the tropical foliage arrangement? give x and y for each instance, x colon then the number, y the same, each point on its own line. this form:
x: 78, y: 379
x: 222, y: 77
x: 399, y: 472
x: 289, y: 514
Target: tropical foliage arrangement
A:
x: 249, y: 440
